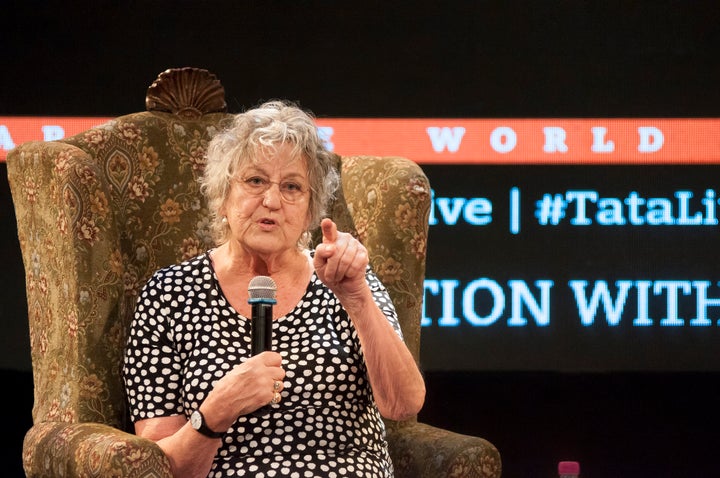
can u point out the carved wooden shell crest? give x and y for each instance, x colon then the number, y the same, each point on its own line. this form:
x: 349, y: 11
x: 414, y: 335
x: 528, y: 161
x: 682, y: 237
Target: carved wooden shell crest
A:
x: 186, y: 92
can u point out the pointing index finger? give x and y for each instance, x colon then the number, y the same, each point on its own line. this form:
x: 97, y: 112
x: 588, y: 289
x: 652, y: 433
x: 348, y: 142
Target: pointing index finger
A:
x: 329, y: 230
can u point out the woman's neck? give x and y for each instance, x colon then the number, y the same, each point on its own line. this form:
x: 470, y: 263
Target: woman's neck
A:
x: 291, y: 276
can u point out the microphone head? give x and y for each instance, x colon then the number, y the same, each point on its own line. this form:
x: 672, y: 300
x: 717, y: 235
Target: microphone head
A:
x: 262, y: 288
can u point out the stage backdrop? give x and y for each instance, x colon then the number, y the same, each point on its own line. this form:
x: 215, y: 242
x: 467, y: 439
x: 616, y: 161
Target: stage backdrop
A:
x: 555, y: 244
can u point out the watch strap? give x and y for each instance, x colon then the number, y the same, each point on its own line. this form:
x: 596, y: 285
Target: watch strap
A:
x: 204, y: 429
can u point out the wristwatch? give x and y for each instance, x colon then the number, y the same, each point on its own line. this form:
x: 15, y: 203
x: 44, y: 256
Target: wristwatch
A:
x: 197, y: 420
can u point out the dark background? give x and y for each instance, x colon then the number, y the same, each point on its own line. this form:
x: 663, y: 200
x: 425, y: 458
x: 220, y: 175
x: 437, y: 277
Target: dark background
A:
x: 479, y: 59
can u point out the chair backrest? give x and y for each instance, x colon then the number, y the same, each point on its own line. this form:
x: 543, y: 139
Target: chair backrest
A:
x: 99, y: 212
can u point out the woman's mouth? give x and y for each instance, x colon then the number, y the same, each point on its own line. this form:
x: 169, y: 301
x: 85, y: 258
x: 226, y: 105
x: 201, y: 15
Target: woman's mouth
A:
x: 266, y: 222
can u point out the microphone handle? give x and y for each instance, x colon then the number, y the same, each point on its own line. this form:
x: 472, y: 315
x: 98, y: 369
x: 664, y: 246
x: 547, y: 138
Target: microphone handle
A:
x: 261, y: 327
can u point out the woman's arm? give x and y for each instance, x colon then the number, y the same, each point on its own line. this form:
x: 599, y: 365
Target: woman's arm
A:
x: 244, y: 389
x: 340, y: 262
x: 190, y: 453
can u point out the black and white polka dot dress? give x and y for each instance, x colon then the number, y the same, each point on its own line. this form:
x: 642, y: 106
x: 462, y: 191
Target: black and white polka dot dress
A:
x: 185, y: 336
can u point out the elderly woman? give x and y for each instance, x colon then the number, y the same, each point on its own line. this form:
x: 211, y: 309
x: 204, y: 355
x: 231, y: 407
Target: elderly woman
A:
x: 311, y: 406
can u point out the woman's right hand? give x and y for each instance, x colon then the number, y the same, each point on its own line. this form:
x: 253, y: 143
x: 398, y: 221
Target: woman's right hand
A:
x: 244, y: 389
x: 247, y: 387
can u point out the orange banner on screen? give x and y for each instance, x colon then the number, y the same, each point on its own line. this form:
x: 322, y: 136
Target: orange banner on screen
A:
x: 472, y: 141
x: 530, y: 141
x: 15, y: 130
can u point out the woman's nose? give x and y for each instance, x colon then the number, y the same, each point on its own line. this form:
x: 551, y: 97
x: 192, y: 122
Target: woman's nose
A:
x: 272, y: 197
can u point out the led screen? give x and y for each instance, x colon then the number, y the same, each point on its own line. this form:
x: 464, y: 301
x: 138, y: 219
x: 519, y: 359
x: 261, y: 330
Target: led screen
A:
x: 555, y: 244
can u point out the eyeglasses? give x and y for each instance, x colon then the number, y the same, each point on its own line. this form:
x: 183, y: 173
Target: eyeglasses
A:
x: 291, y: 191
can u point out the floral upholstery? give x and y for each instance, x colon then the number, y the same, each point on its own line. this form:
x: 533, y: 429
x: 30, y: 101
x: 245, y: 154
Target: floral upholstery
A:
x: 99, y: 212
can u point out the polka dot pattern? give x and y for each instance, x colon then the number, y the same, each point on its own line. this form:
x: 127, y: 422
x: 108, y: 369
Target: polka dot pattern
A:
x: 185, y: 336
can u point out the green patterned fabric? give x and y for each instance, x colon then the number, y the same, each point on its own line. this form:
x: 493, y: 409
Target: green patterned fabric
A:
x: 99, y: 212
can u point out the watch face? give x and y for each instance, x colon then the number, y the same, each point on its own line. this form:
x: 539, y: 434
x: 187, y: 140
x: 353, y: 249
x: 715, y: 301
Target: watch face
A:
x: 196, y: 420
x: 198, y: 423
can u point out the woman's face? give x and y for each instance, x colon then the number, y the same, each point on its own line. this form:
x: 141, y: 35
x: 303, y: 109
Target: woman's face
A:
x: 267, y: 207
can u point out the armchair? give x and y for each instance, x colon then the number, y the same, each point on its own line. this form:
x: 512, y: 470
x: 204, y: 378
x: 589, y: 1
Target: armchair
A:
x: 99, y: 212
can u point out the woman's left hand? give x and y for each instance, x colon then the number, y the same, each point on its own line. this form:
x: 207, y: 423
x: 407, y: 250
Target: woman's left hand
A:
x: 398, y: 387
x: 340, y: 261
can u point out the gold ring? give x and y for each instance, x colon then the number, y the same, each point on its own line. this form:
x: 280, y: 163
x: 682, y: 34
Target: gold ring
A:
x: 276, y: 386
x: 276, y: 398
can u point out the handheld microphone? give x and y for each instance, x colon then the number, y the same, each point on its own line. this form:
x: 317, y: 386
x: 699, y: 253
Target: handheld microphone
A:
x: 261, y: 291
